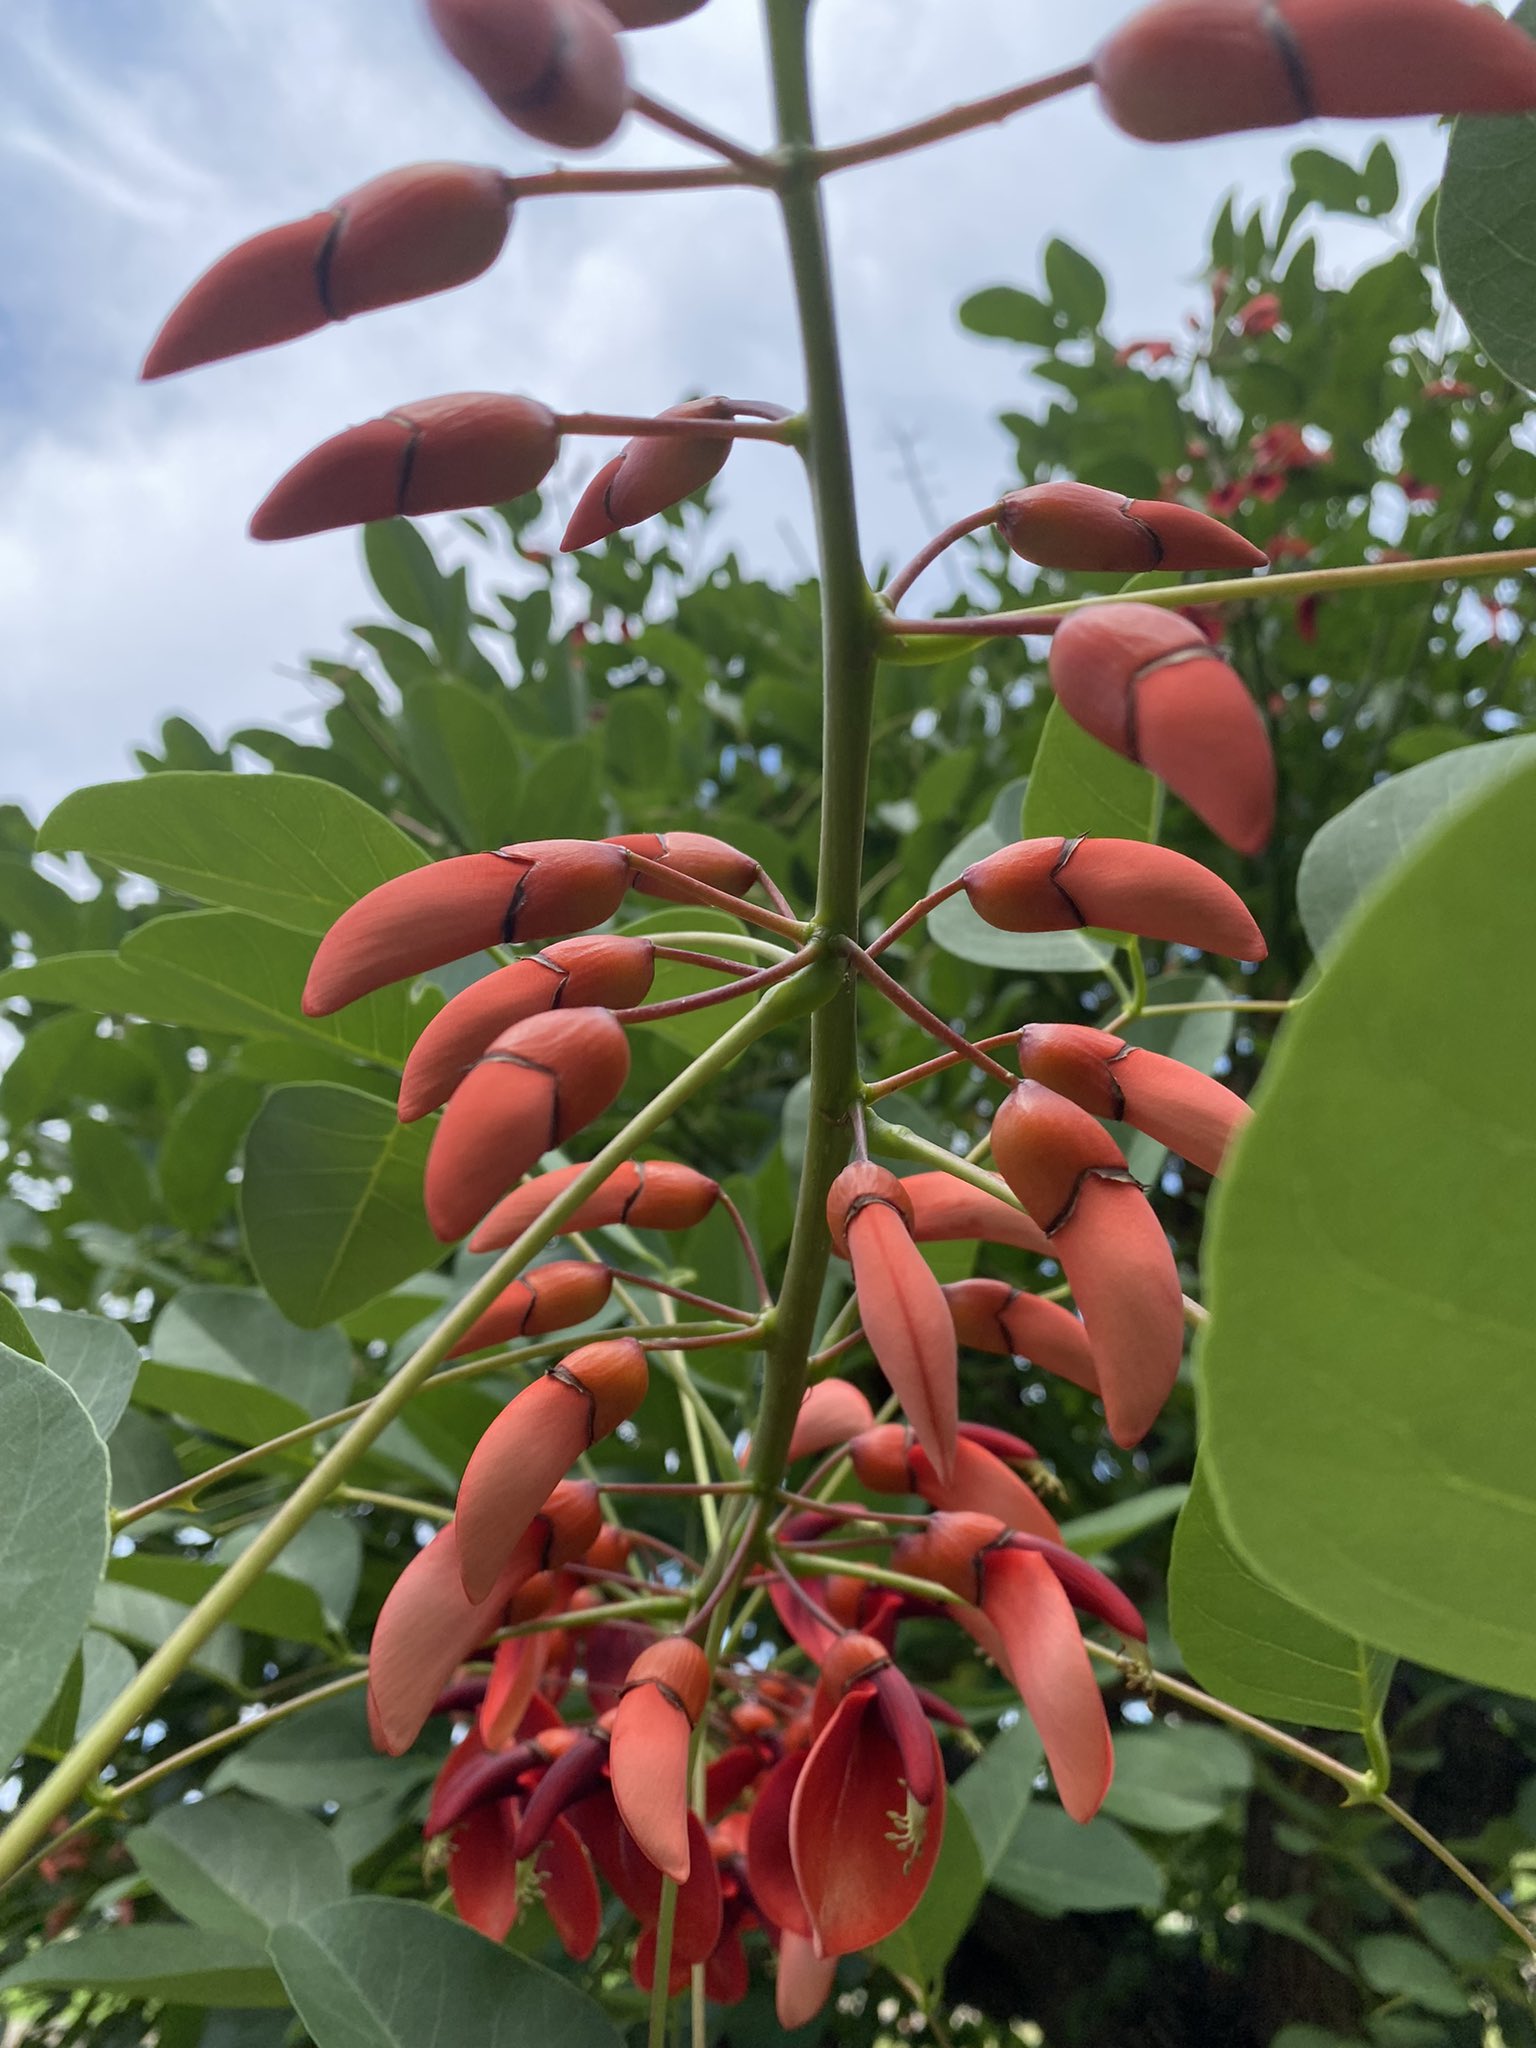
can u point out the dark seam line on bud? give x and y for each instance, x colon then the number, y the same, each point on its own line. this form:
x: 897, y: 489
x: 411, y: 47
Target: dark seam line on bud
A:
x: 516, y: 1059
x: 630, y: 1200
x: 407, y: 459
x: 1116, y: 1092
x: 533, y: 1301
x: 515, y: 907
x: 1283, y: 36
x: 1176, y: 657
x: 563, y: 1376
x: 1002, y: 1323
x: 1068, y: 848
x: 668, y: 1693
x: 549, y: 1541
x: 323, y: 258
x: 550, y: 79
x: 863, y: 1202
x: 1127, y: 511
x: 562, y: 974
x: 867, y: 1676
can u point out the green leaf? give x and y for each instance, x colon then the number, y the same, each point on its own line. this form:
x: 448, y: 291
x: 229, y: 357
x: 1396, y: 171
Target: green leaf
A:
x: 226, y: 1358
x: 994, y: 1794
x: 1370, y: 1338
x: 1107, y: 1528
x: 14, y: 1334
x: 1200, y: 1042
x: 1054, y: 1866
x: 1460, y: 1927
x: 1248, y: 1644
x: 320, y: 1755
x: 275, y: 1606
x: 1484, y: 251
x: 199, y: 1150
x: 461, y: 748
x: 148, y: 1618
x: 921, y: 1947
x: 1402, y: 1968
x: 326, y: 1558
x: 1003, y: 313
x: 287, y: 847
x: 53, y: 1538
x: 957, y: 928
x: 561, y: 797
x: 331, y: 1200
x: 97, y: 1358
x: 384, y: 1973
x: 1289, y: 1917
x: 1355, y: 850
x: 237, y: 1866
x: 404, y: 571
x: 1076, y: 286
x: 142, y: 1459
x: 1172, y: 1778
x: 1078, y: 789
x: 185, y: 1965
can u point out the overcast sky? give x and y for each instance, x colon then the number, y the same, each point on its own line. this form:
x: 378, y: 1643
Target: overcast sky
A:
x: 139, y: 138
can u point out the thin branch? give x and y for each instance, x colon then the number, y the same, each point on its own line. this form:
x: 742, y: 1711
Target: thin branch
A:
x: 748, y: 1249
x: 707, y: 998
x: 926, y: 556
x: 676, y: 427
x: 719, y: 1309
x: 924, y: 1018
x: 960, y: 120
x: 757, y: 169
x: 685, y: 887
x: 564, y: 182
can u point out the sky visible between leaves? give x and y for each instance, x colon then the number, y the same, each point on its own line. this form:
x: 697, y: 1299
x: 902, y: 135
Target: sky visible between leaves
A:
x: 139, y: 138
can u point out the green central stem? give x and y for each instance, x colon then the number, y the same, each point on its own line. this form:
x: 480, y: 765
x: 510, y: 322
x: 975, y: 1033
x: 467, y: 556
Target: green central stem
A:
x: 850, y: 642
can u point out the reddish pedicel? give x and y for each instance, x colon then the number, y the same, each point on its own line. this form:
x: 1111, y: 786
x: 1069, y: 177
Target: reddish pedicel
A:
x: 1148, y: 684
x: 649, y: 475
x: 1193, y: 1115
x: 1079, y: 526
x: 647, y: 1194
x: 412, y: 232
x: 1058, y: 885
x: 552, y: 67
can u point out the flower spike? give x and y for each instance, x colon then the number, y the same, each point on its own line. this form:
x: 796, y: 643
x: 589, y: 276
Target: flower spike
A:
x: 552, y: 67
x: 1187, y: 1111
x: 551, y: 1297
x: 647, y: 1194
x: 608, y: 972
x: 1187, y: 68
x: 537, y: 1085
x: 989, y: 1315
x: 649, y: 475
x: 903, y: 1312
x: 432, y: 455
x: 666, y: 1692
x: 1079, y: 526
x: 420, y: 920
x: 412, y: 232
x: 1071, y: 1175
x: 1058, y: 885
x: 1150, y: 685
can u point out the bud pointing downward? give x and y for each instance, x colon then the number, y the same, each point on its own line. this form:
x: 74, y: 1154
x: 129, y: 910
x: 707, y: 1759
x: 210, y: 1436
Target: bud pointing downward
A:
x: 535, y: 1439
x: 1148, y: 684
x: 903, y: 1312
x: 1058, y: 885
x: 666, y: 1692
x: 412, y: 232
x: 649, y: 475
x: 647, y: 1194
x: 537, y: 1085
x: 552, y: 67
x: 1071, y: 1175
x: 1187, y: 1111
x: 433, y: 455
x: 1078, y: 526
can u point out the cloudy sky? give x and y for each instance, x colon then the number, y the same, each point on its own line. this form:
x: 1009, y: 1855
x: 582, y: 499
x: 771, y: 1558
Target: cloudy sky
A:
x: 139, y: 138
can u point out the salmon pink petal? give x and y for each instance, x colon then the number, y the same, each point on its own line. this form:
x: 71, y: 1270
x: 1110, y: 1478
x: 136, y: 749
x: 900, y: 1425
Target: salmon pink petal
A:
x: 908, y: 1326
x: 990, y: 1315
x: 1022, y: 1597
x: 832, y: 1411
x: 804, y: 1983
x: 516, y: 1671
x: 1121, y: 1271
x: 1189, y: 1112
x: 482, y: 1871
x: 945, y: 1209
x: 648, y: 1763
x: 571, y: 1897
x: 984, y: 1485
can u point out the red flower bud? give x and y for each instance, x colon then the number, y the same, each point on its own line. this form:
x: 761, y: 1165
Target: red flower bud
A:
x: 900, y: 1305
x: 1186, y: 68
x: 1071, y: 1175
x: 831, y: 1412
x: 1146, y: 683
x: 1079, y: 526
x: 1261, y: 315
x: 551, y: 1297
x: 422, y: 229
x: 538, y: 1436
x: 696, y: 854
x: 647, y: 1194
x: 989, y: 1315
x: 433, y: 455
x: 1187, y: 1111
x: 946, y: 1209
x: 1059, y: 885
x: 441, y: 912
x: 537, y: 1085
x: 608, y: 972
x: 649, y: 475
x: 664, y: 1696
x: 888, y: 1461
x: 552, y: 67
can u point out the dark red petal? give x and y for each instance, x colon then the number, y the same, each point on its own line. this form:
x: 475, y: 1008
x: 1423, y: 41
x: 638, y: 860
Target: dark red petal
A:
x: 482, y: 1871
x: 571, y: 1897
x: 770, y: 1866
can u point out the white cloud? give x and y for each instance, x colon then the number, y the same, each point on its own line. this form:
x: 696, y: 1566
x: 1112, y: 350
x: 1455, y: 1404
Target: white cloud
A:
x: 137, y: 154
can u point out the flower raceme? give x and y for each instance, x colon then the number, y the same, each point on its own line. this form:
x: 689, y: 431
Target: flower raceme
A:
x: 1057, y: 885
x: 1068, y: 525
x: 553, y: 68
x: 412, y: 232
x: 1149, y: 685
x: 1187, y: 68
x: 1190, y: 1113
x: 1072, y: 1178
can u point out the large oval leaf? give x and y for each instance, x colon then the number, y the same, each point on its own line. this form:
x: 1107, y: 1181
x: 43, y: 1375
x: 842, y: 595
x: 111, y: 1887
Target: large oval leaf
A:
x: 239, y: 1866
x: 1482, y: 236
x: 1372, y: 1347
x: 185, y: 1965
x: 1078, y: 789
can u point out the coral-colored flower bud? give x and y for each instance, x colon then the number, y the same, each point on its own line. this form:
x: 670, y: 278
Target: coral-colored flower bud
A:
x: 537, y: 1085
x: 1071, y: 1175
x: 551, y: 1297
x: 538, y: 1436
x: 647, y: 1194
x: 753, y: 1717
x: 804, y: 1982
x: 1146, y: 683
x: 607, y: 972
x: 1261, y: 315
x: 415, y: 231
x: 696, y: 854
x: 831, y: 1412
x: 1078, y: 526
x: 1192, y: 1114
x: 1187, y: 68
x: 888, y: 1461
x: 902, y: 1310
x: 1058, y: 885
x: 552, y: 67
x: 989, y: 1315
x: 650, y: 474
x: 946, y: 1209
x: 666, y: 1692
